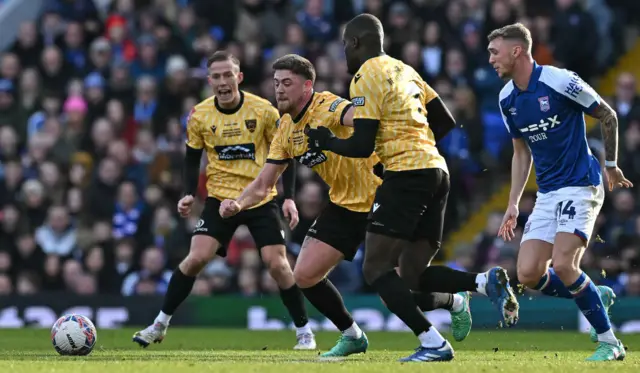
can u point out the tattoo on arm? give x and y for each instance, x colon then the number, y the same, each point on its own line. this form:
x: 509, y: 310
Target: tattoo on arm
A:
x: 609, y: 127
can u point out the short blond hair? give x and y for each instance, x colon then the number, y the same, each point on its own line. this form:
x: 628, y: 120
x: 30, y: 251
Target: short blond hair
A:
x: 516, y: 31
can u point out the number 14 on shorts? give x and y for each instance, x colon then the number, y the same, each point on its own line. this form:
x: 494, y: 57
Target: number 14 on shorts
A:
x: 566, y: 209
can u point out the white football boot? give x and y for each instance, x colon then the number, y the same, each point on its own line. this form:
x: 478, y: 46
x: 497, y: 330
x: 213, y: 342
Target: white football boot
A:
x: 306, y: 341
x: 152, y: 334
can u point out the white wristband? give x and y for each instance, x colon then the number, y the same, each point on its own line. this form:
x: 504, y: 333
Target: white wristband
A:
x: 610, y: 164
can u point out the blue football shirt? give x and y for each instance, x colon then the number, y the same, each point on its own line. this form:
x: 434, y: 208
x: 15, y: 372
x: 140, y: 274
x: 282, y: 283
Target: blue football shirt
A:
x: 549, y: 116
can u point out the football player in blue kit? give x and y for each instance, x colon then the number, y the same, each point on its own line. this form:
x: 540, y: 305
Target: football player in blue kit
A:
x: 543, y: 109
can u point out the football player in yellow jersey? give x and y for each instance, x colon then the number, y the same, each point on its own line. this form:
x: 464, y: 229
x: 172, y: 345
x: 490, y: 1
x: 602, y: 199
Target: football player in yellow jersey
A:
x: 339, y: 230
x: 391, y: 105
x: 235, y: 129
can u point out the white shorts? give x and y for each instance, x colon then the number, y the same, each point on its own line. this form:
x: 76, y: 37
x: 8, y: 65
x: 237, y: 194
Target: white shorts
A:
x: 571, y: 210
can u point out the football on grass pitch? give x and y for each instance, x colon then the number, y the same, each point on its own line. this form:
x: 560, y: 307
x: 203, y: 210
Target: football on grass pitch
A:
x: 73, y: 335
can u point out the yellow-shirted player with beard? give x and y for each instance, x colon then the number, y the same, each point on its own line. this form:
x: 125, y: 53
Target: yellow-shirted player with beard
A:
x: 392, y: 103
x: 235, y: 129
x: 339, y: 230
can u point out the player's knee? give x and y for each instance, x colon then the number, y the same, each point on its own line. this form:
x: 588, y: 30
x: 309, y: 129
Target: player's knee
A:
x: 373, y: 271
x: 411, y: 277
x: 278, y: 266
x: 305, y: 279
x: 193, y: 264
x: 530, y: 275
x: 566, y: 270
x: 275, y: 259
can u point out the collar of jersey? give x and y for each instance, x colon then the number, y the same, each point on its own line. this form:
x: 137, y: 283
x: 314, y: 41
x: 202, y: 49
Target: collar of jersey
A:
x: 232, y: 110
x: 304, y: 109
x: 533, y: 80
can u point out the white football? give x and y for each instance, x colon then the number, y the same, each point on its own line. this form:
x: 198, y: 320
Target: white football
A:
x: 74, y: 335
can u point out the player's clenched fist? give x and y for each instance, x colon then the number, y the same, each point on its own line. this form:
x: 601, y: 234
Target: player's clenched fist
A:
x: 290, y: 212
x: 184, y: 205
x: 228, y: 208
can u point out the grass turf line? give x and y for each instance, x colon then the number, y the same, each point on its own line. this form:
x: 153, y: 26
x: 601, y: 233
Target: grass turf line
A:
x: 236, y: 351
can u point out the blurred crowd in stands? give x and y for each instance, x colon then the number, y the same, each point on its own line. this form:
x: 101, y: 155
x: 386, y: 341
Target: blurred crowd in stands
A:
x: 94, y: 95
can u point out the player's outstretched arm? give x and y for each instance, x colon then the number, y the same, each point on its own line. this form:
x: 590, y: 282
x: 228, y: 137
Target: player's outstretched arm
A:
x: 260, y: 188
x: 360, y: 145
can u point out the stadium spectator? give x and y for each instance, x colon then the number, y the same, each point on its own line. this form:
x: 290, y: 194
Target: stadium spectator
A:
x: 152, y: 278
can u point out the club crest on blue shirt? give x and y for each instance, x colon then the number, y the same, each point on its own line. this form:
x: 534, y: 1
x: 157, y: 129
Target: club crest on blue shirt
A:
x: 544, y: 103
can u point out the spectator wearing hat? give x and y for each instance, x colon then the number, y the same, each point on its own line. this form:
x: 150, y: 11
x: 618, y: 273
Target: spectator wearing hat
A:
x: 95, y: 87
x: 176, y: 86
x: 122, y: 47
x: 75, y: 110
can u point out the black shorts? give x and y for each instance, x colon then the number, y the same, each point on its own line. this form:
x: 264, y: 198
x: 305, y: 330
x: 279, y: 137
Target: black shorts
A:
x: 340, y: 228
x: 265, y: 224
x: 411, y: 205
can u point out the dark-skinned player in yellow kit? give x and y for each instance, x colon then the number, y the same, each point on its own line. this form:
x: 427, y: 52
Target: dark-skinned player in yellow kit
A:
x: 391, y: 103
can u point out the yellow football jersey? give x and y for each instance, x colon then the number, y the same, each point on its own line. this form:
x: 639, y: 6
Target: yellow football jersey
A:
x: 352, y: 183
x: 388, y: 90
x: 236, y: 142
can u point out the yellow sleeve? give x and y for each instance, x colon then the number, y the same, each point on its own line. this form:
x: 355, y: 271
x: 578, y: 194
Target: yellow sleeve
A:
x: 271, y: 118
x: 367, y: 96
x: 333, y: 111
x: 428, y: 92
x: 194, y: 134
x: 277, y: 151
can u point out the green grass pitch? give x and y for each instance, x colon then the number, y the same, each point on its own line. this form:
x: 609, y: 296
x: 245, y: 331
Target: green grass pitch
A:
x: 236, y: 351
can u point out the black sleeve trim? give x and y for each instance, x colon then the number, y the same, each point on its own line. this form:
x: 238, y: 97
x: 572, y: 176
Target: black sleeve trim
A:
x: 344, y: 112
x: 278, y: 161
